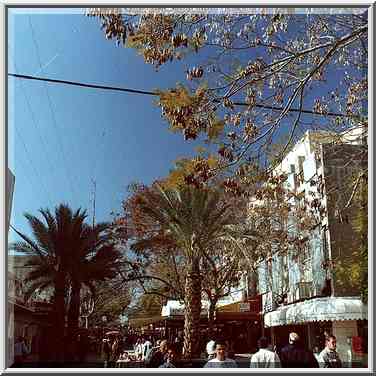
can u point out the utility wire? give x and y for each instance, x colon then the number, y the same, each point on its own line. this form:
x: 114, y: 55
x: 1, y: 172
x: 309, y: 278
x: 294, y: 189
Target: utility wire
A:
x: 52, y: 110
x: 81, y: 84
x: 145, y: 92
x: 33, y: 118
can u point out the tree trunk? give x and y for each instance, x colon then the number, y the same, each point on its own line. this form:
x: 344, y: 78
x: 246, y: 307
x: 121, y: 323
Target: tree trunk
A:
x: 59, y: 316
x: 74, y: 308
x: 73, y: 319
x: 211, y: 318
x: 192, y: 311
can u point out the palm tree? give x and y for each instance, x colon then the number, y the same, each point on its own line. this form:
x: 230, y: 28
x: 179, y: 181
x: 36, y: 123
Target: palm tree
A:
x: 50, y: 249
x: 65, y: 252
x: 193, y: 219
x: 96, y: 260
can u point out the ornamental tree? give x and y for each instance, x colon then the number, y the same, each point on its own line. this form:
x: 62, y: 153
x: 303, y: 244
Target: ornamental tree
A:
x: 252, y: 76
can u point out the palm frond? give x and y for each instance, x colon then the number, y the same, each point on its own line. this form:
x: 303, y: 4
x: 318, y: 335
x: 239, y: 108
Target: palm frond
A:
x: 41, y: 233
x: 31, y: 243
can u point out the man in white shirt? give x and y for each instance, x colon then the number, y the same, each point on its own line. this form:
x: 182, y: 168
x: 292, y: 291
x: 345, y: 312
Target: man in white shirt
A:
x: 210, y: 349
x: 329, y: 357
x: 220, y: 361
x: 146, y: 348
x: 265, y: 358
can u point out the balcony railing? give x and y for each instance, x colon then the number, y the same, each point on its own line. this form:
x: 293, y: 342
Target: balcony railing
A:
x: 304, y: 290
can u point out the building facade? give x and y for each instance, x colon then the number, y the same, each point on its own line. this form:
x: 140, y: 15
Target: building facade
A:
x: 310, y: 293
x: 26, y: 317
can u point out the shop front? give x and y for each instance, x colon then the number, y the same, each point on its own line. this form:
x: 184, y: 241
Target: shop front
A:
x: 241, y: 323
x: 346, y: 318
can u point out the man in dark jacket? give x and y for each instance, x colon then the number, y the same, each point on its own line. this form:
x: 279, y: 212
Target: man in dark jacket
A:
x: 295, y: 356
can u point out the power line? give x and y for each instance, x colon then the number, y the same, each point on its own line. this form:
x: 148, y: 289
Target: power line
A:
x: 81, y: 84
x: 38, y: 131
x: 33, y: 118
x: 145, y: 92
x: 52, y: 111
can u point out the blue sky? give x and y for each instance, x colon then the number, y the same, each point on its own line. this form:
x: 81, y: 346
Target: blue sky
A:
x: 61, y: 137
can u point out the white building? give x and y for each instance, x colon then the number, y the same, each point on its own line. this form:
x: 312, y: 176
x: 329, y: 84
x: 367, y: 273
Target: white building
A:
x: 316, y: 300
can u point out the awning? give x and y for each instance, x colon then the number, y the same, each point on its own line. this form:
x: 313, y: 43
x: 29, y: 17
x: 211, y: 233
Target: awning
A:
x: 174, y: 308
x: 319, y: 309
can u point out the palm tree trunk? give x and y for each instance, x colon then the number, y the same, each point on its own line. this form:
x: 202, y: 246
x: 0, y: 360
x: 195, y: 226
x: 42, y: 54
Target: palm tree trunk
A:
x: 211, y: 313
x: 74, y: 308
x: 59, y: 315
x: 73, y: 318
x: 192, y: 311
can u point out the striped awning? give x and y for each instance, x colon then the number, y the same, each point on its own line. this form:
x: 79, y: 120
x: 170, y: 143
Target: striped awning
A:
x: 319, y: 309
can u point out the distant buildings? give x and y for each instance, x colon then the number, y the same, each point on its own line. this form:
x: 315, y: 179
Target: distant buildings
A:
x: 27, y: 317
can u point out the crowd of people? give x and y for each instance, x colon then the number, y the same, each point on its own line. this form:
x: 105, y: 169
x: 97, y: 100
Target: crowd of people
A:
x: 164, y: 354
x: 293, y: 355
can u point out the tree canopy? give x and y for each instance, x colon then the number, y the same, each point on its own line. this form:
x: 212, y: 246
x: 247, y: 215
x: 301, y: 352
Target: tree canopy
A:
x: 257, y: 75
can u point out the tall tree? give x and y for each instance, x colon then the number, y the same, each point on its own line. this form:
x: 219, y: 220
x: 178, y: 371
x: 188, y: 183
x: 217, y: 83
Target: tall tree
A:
x: 111, y: 299
x: 64, y: 254
x: 97, y: 259
x: 192, y: 218
x: 50, y: 254
x: 221, y: 269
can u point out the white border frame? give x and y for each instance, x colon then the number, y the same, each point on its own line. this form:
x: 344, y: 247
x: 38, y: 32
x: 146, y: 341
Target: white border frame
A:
x: 261, y: 3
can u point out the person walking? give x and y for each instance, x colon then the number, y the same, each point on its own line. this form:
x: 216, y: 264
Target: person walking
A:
x: 220, y: 361
x: 265, y: 358
x: 106, y: 350
x: 179, y: 343
x: 115, y: 349
x: 295, y: 356
x: 20, y: 350
x: 210, y: 349
x: 329, y: 357
x: 138, y: 349
x: 158, y: 356
x: 146, y: 348
x: 170, y: 358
